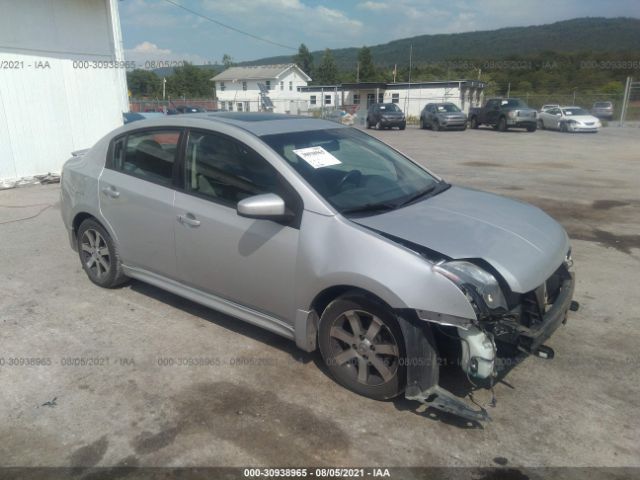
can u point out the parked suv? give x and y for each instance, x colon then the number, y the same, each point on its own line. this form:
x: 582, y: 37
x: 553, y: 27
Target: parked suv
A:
x: 438, y: 116
x: 603, y: 110
x: 385, y: 115
x: 503, y: 113
x: 322, y: 234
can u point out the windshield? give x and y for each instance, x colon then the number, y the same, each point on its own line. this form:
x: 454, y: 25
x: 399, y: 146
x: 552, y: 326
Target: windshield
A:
x: 389, y: 107
x: 353, y: 171
x: 514, y: 102
x: 447, y: 107
x: 574, y: 111
x: 602, y: 104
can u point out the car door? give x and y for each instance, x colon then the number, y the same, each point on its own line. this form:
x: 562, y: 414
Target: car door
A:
x: 491, y: 111
x: 248, y: 261
x: 136, y: 194
x: 555, y: 116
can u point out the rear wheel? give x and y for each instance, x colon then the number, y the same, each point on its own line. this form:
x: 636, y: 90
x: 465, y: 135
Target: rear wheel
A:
x: 99, y: 255
x: 540, y: 124
x: 473, y: 123
x: 422, y: 125
x: 362, y: 345
x: 368, y: 124
x: 502, y: 124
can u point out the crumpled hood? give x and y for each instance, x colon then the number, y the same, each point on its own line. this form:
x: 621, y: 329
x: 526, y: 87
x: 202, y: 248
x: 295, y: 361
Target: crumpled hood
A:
x: 583, y: 118
x: 520, y: 241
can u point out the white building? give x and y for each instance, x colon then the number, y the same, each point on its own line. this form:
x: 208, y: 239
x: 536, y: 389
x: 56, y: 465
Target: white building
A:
x: 410, y: 97
x: 237, y: 88
x: 62, y: 81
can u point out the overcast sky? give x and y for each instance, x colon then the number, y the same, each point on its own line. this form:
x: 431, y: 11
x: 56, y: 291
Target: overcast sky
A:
x: 157, y: 30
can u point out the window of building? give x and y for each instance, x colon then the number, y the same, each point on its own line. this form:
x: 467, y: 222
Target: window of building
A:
x: 327, y: 99
x: 244, y: 86
x: 268, y: 84
x: 281, y: 85
x: 312, y: 99
x: 222, y: 86
x: 381, y: 97
x: 231, y: 106
x: 225, y: 170
x: 395, y: 98
x: 371, y: 99
x: 290, y: 86
x: 149, y: 155
x: 356, y: 99
x: 246, y: 106
x: 240, y: 106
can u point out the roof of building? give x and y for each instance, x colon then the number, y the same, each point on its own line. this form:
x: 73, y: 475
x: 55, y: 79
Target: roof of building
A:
x: 257, y: 72
x: 393, y: 86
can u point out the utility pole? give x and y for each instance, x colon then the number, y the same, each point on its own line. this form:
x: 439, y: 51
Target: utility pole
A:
x: 625, y: 101
x: 164, y: 84
x: 358, y: 72
x: 407, y: 103
x: 509, y: 90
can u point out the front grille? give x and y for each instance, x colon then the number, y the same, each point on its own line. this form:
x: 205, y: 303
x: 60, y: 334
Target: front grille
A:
x: 536, y: 303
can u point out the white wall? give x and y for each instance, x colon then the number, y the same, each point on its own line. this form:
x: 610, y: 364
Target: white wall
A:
x: 49, y: 106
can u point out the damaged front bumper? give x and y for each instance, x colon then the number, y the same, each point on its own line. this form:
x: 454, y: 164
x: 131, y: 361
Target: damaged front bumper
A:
x: 525, y: 327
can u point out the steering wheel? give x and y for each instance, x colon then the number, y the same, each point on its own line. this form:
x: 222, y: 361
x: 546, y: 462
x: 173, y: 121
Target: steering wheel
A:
x: 352, y: 176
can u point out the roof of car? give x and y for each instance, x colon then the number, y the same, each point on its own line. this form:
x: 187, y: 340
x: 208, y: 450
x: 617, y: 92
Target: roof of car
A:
x: 257, y: 123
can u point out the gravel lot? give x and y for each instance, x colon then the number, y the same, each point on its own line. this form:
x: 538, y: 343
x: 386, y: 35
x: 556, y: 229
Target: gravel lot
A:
x: 260, y: 401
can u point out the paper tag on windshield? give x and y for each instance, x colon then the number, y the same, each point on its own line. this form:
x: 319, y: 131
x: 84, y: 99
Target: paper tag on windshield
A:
x: 317, y: 157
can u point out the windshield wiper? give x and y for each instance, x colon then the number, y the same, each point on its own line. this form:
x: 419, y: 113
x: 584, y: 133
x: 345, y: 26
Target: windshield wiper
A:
x: 369, y: 207
x: 417, y: 196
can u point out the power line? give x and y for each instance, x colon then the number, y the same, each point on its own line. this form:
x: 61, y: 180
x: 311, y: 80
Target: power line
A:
x: 193, y: 12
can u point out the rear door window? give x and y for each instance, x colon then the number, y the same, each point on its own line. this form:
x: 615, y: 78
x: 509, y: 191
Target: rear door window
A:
x: 149, y: 155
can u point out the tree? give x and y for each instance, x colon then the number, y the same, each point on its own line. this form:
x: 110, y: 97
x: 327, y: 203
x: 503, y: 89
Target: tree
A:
x: 327, y: 72
x: 227, y: 61
x: 190, y: 81
x: 365, y: 65
x: 144, y: 83
x: 304, y: 59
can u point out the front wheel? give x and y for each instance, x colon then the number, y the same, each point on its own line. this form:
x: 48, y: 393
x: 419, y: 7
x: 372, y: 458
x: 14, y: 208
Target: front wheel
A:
x: 99, y: 255
x: 403, y: 126
x: 378, y: 126
x: 532, y: 128
x: 541, y: 125
x: 473, y: 123
x: 502, y: 124
x: 362, y: 346
x: 422, y: 125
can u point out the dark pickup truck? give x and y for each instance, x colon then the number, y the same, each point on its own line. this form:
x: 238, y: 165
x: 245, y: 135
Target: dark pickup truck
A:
x: 504, y: 113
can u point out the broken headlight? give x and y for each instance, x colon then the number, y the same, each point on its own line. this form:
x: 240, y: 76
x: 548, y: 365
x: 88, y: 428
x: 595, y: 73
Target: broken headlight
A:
x: 478, y: 284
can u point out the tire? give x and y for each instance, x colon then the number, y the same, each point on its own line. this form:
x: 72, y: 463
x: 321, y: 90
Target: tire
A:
x: 354, y: 330
x: 473, y: 123
x: 464, y: 127
x: 99, y: 255
x: 563, y: 128
x: 403, y: 126
x: 378, y: 126
x: 541, y: 125
x: 422, y: 125
x: 368, y: 124
x: 435, y: 126
x: 532, y: 128
x: 502, y: 124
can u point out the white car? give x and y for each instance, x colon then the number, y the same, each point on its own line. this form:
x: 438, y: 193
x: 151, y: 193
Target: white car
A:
x: 549, y: 107
x: 568, y: 119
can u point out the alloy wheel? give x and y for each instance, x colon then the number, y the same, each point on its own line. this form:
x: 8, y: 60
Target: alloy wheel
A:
x: 364, y: 348
x: 95, y: 254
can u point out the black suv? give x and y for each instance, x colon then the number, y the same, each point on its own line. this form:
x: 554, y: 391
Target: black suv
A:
x: 385, y: 115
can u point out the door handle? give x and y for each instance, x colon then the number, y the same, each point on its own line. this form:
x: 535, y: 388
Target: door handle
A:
x: 189, y: 219
x: 111, y: 192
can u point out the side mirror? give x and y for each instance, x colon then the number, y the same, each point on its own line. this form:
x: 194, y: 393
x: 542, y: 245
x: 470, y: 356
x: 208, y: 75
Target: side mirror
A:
x: 268, y: 206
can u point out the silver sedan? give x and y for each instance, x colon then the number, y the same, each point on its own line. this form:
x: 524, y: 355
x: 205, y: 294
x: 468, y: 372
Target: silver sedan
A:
x: 568, y: 119
x: 324, y: 235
